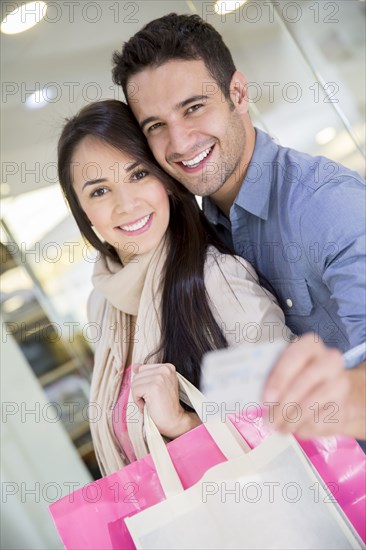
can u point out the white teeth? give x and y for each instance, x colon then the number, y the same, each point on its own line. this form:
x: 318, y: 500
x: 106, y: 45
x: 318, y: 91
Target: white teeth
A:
x: 197, y: 159
x: 137, y: 225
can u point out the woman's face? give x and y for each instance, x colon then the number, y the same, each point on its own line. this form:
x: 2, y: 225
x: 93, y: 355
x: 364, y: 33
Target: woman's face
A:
x: 126, y: 205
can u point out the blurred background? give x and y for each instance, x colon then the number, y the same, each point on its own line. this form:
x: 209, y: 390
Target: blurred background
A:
x: 305, y: 64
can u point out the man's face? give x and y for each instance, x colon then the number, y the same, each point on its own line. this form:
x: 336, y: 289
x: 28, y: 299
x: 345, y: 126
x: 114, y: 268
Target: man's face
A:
x: 193, y: 131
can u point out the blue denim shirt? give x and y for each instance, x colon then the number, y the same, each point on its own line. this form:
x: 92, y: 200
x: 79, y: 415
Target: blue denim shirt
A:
x: 300, y: 220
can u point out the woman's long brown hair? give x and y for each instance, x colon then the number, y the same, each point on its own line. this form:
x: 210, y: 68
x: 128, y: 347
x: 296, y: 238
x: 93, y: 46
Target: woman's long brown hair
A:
x: 188, y: 326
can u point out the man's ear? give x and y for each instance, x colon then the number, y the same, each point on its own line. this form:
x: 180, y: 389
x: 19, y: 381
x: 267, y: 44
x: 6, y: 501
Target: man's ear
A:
x: 238, y: 92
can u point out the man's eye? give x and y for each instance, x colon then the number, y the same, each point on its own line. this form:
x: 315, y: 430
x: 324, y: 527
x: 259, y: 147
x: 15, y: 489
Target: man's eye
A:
x: 194, y: 108
x: 154, y: 127
x: 98, y: 192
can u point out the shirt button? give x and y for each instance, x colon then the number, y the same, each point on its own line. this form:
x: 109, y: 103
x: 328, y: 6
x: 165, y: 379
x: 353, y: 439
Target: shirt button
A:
x: 289, y: 302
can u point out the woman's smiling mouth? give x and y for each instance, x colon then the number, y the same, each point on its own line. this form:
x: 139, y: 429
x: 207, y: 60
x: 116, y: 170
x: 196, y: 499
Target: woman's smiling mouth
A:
x: 139, y: 226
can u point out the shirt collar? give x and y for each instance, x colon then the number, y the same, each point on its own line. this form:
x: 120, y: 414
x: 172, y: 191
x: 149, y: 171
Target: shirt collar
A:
x: 255, y: 191
x: 212, y: 212
x: 254, y: 194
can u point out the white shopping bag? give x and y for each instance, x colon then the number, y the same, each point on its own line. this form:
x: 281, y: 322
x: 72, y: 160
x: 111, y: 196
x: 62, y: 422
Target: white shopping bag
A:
x: 269, y: 497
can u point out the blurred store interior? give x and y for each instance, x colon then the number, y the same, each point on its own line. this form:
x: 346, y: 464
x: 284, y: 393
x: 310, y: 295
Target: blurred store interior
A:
x: 305, y: 64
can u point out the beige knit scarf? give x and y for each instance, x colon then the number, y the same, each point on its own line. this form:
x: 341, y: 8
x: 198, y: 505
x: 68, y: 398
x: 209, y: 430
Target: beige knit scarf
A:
x: 122, y: 292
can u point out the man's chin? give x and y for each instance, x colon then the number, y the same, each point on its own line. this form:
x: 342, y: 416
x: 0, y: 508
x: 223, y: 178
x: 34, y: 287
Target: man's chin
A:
x: 196, y: 185
x: 203, y: 189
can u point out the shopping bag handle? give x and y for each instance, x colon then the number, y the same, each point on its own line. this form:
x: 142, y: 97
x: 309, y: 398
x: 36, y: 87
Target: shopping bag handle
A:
x: 226, y: 437
x: 222, y: 431
x: 164, y: 466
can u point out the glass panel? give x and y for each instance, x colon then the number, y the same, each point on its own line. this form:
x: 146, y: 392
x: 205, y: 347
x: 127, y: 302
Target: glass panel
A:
x: 288, y: 51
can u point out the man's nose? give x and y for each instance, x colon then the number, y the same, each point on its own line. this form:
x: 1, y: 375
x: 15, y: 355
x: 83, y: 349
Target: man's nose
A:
x: 181, y: 142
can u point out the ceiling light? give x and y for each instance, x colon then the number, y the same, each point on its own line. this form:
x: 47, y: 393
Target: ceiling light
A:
x: 227, y: 6
x: 40, y: 98
x: 24, y: 17
x: 326, y: 135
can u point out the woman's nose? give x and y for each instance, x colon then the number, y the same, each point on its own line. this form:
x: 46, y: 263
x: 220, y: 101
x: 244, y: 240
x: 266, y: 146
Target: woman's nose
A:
x: 126, y: 200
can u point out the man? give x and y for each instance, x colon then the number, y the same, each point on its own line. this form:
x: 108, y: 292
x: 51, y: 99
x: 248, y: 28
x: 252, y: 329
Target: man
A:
x: 300, y: 220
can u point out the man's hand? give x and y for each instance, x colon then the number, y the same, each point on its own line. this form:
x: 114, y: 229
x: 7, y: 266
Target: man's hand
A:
x: 311, y: 393
x: 157, y: 386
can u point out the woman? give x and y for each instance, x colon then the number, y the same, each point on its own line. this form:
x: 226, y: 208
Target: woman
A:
x: 166, y: 289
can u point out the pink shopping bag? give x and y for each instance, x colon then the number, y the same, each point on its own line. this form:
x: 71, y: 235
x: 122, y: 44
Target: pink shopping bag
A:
x: 93, y: 517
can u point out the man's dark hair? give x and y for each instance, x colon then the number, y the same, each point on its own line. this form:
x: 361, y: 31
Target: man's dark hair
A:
x: 172, y: 37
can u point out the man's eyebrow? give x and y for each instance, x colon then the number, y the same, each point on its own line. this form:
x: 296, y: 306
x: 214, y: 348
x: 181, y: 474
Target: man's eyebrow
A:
x: 177, y: 107
x: 192, y: 99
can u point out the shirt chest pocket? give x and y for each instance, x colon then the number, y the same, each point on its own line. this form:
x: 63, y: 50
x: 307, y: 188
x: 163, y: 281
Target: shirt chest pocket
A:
x: 293, y: 296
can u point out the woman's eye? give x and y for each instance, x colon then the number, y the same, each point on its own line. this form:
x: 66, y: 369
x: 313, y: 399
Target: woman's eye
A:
x: 99, y: 192
x: 139, y: 175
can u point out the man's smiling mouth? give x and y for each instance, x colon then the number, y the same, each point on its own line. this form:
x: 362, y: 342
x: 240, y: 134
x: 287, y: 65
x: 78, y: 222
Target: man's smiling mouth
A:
x: 193, y: 163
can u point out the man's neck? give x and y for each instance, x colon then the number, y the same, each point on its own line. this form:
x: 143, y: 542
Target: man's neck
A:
x: 224, y: 198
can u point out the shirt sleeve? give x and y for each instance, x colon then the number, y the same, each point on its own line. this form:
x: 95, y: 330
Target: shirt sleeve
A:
x: 336, y: 219
x: 244, y: 310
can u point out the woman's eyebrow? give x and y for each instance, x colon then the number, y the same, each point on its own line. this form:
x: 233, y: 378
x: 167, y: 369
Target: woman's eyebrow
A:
x: 92, y: 182
x: 128, y: 167
x: 131, y: 166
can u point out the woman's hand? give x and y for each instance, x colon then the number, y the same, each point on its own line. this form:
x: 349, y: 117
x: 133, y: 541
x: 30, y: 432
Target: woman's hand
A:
x: 157, y: 386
